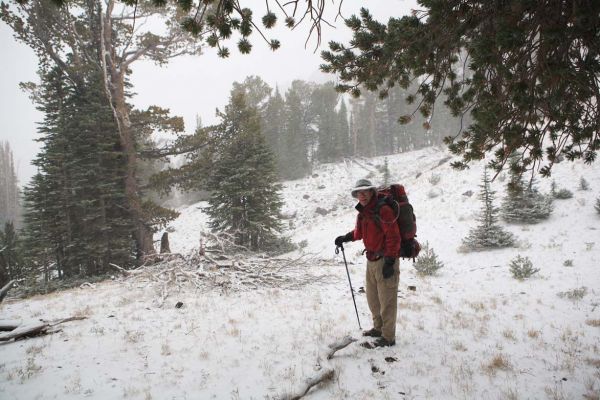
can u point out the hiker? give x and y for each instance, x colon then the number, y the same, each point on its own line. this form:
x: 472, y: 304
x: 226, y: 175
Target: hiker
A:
x: 381, y: 237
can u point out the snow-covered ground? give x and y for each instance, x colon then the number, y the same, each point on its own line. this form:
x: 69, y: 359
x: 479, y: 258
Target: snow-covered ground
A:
x: 471, y: 332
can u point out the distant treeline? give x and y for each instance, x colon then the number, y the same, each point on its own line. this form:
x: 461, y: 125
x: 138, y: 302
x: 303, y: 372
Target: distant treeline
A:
x: 311, y: 123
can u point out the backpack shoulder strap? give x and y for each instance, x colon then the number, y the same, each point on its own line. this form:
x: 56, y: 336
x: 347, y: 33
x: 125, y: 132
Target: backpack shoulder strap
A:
x: 384, y: 201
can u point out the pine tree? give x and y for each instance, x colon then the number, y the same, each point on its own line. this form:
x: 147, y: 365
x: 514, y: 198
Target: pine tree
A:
x: 245, y: 199
x: 76, y: 210
x: 523, y: 203
x: 273, y: 122
x: 297, y: 140
x: 11, y: 266
x: 488, y: 234
x: 343, y: 146
x: 386, y: 172
x: 324, y: 100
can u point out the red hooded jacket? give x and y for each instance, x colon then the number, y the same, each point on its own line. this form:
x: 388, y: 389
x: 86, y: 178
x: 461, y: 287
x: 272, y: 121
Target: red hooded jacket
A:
x: 380, y: 238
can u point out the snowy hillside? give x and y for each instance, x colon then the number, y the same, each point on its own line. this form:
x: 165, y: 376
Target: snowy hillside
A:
x: 471, y: 332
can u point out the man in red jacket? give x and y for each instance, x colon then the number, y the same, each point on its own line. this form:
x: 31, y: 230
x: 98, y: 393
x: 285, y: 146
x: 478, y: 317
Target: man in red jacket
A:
x: 381, y: 238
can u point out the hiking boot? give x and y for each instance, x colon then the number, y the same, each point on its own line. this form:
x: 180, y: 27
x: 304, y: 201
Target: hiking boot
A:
x: 383, y: 342
x: 372, y: 333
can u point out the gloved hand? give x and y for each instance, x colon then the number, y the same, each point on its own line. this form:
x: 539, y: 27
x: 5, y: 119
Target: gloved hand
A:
x: 388, y: 267
x: 344, y: 238
x: 410, y: 248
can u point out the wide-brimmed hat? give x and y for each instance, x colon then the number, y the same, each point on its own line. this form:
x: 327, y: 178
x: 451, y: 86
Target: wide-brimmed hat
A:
x: 362, y: 184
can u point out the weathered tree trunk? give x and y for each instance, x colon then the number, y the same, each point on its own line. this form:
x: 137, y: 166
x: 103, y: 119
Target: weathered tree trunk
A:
x: 114, y: 76
x: 164, y: 243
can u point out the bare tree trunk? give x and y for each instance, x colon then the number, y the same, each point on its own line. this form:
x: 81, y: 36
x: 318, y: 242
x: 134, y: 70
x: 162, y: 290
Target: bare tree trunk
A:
x: 114, y: 76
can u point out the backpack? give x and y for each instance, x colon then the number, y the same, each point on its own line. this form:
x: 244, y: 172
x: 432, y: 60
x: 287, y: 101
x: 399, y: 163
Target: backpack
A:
x: 395, y: 197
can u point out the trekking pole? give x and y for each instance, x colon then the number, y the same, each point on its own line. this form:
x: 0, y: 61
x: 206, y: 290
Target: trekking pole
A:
x: 337, y: 251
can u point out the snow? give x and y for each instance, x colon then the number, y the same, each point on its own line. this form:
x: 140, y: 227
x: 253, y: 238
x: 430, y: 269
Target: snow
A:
x: 470, y: 332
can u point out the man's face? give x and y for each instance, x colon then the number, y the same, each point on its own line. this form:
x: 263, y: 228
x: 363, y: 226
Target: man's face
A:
x: 364, y: 196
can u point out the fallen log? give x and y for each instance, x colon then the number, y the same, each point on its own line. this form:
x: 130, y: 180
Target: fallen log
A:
x: 8, y: 324
x: 23, y: 331
x: 35, y: 329
x: 5, y: 289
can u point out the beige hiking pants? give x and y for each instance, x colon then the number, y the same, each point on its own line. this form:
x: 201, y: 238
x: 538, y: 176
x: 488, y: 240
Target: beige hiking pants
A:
x: 382, y: 297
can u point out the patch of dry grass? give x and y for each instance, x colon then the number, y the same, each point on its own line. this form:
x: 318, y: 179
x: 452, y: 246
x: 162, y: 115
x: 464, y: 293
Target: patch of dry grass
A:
x: 462, y: 378
x: 509, y: 334
x: 594, y: 362
x: 478, y: 306
x: 593, y: 322
x: 410, y: 305
x: 499, y: 362
x: 555, y: 393
x: 459, y: 346
x: 533, y: 333
x: 134, y: 336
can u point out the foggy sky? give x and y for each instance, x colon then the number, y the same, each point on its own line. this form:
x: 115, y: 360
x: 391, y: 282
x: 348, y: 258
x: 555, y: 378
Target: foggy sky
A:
x: 188, y: 86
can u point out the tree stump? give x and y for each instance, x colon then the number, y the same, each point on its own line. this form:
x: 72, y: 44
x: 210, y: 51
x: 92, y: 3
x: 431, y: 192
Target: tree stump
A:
x: 164, y: 243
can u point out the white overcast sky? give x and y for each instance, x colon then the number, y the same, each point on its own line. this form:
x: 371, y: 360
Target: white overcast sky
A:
x: 188, y: 86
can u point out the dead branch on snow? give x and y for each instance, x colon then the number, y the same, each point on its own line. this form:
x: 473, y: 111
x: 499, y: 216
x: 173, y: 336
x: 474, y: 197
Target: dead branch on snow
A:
x: 5, y: 289
x: 35, y: 329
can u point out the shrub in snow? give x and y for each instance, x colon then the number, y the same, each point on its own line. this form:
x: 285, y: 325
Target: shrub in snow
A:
x: 427, y: 263
x: 597, y: 206
x: 574, y: 294
x: 434, y: 179
x: 522, y: 268
x: 488, y: 234
x: 560, y: 194
x: 434, y: 192
x: 583, y: 184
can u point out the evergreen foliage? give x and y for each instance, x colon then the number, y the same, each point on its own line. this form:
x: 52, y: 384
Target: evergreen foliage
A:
x: 524, y: 71
x: 521, y: 268
x: 524, y: 204
x: 489, y: 234
x: 329, y: 143
x: 76, y: 208
x: 297, y: 139
x: 245, y: 199
x: 11, y: 261
x: 561, y: 193
x: 427, y: 263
